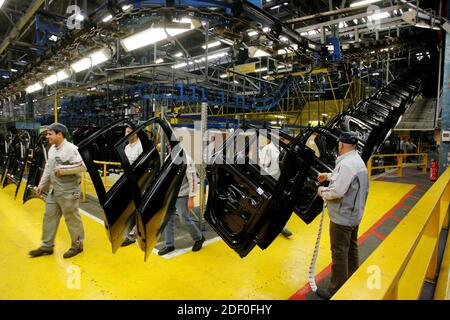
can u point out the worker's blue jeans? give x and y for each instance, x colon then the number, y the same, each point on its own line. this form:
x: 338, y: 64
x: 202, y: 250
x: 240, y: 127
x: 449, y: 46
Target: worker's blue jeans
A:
x: 182, y: 210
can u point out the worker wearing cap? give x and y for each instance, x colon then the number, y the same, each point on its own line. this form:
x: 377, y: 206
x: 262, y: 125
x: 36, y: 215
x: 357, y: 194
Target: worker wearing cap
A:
x: 346, y: 198
x: 62, y: 174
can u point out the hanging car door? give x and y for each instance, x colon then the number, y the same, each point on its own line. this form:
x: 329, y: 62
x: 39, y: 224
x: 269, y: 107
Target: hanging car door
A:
x: 246, y: 206
x: 155, y: 179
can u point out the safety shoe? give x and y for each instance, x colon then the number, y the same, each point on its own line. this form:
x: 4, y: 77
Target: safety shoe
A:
x: 286, y: 232
x: 324, y: 293
x: 165, y: 250
x: 41, y: 251
x: 127, y: 242
x: 198, y: 244
x: 72, y: 252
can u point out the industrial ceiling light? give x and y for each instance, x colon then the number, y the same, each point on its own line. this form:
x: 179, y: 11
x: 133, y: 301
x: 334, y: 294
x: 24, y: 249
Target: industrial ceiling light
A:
x: 253, y: 33
x: 151, y: 36
x: 379, y: 16
x: 126, y: 7
x: 159, y: 61
x: 255, y: 52
x: 178, y: 54
x: 1, y: 2
x: 363, y: 3
x: 261, y: 70
x: 91, y: 60
x: 107, y: 18
x: 53, y: 38
x: 34, y: 87
x: 212, y: 44
x: 59, y: 76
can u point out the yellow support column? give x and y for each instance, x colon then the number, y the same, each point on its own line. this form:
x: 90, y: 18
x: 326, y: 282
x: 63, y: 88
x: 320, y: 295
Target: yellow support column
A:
x: 425, y: 162
x: 369, y: 168
x: 400, y: 165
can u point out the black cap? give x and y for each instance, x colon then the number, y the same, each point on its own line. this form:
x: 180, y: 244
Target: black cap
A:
x: 59, y: 127
x: 349, y: 137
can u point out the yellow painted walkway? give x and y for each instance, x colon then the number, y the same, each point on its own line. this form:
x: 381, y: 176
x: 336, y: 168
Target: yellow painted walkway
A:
x: 215, y: 272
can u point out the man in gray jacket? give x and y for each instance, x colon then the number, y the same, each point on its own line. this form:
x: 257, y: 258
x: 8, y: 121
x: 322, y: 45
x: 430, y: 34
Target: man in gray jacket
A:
x: 184, y: 204
x: 63, y: 174
x: 346, y: 198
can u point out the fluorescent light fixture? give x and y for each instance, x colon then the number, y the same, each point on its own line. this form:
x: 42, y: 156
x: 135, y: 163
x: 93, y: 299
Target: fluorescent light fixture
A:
x: 35, y: 87
x: 178, y: 54
x: 225, y: 75
x: 53, y: 38
x: 275, y: 7
x: 107, y: 18
x: 13, y: 70
x: 79, y: 17
x: 376, y: 74
x: 236, y: 82
x: 284, y: 39
x: 5, y: 77
x: 159, y: 60
x: 126, y: 7
x: 379, y: 16
x: 212, y: 57
x: 212, y: 44
x: 51, y: 80
x: 312, y: 32
x: 261, y: 69
x: 280, y: 117
x: 91, y: 60
x: 372, y: 52
x: 59, y: 76
x: 180, y: 65
x: 253, y: 33
x: 363, y: 3
x: 1, y: 2
x: 149, y: 36
x: 355, y: 21
x: 266, y: 29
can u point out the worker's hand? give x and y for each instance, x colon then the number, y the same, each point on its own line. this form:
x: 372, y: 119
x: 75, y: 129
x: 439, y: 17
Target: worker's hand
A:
x: 319, y: 190
x: 322, y: 177
x: 57, y: 172
x: 39, y: 191
x: 190, y: 203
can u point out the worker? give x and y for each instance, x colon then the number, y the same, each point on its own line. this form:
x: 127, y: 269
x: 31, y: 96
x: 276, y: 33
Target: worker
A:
x: 269, y: 161
x: 346, y: 198
x: 183, y: 205
x: 62, y: 174
x: 132, y: 150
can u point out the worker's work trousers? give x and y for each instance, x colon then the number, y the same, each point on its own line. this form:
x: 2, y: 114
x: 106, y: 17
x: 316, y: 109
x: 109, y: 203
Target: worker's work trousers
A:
x: 344, y: 254
x: 65, y: 203
x: 182, y: 209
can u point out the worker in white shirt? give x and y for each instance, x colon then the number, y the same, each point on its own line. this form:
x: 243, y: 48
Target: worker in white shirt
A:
x: 269, y: 161
x: 62, y: 174
x: 132, y: 150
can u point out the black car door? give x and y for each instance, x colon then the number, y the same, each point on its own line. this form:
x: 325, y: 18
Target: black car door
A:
x: 248, y: 208
x: 117, y: 202
x: 155, y: 179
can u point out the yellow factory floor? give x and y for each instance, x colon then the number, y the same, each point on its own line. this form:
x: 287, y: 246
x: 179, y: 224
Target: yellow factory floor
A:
x: 215, y: 272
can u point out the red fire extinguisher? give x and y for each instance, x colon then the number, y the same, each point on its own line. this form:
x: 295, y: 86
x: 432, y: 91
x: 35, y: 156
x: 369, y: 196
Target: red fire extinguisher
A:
x: 433, y: 170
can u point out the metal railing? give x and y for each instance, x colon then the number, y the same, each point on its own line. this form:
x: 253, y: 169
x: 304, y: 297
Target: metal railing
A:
x: 400, y: 164
x: 86, y: 179
x: 408, y: 256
